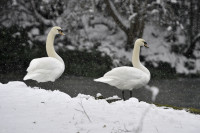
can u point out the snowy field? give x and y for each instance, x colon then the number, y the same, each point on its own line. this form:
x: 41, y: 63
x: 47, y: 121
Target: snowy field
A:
x: 32, y: 110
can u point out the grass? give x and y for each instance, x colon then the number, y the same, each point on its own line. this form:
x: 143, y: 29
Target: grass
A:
x: 191, y: 110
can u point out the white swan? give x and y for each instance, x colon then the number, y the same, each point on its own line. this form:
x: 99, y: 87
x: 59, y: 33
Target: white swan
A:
x: 128, y: 78
x: 47, y: 68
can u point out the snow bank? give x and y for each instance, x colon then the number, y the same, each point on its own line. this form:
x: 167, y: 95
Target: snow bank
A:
x: 32, y: 110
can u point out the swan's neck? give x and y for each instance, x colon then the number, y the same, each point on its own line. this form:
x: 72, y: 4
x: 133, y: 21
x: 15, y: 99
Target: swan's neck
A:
x: 50, y: 47
x: 136, y: 60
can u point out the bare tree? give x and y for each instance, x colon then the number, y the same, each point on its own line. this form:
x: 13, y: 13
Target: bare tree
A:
x: 193, y: 27
x: 33, y: 13
x: 133, y: 26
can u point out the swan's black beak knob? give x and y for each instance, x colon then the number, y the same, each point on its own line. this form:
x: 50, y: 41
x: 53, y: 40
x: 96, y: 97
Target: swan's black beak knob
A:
x: 60, y: 32
x: 145, y: 44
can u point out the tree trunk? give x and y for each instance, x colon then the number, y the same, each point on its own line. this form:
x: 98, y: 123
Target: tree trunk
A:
x: 189, y: 52
x: 130, y: 39
x: 136, y: 27
x: 135, y: 31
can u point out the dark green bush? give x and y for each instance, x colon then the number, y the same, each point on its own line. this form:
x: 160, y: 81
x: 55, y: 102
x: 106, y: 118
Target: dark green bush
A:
x: 14, y: 49
x: 82, y: 63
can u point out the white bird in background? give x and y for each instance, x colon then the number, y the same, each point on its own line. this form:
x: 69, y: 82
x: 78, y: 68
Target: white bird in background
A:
x: 129, y: 78
x: 47, y: 68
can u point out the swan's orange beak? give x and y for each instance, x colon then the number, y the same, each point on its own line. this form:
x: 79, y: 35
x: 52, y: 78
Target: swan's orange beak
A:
x: 145, y: 44
x: 61, y: 32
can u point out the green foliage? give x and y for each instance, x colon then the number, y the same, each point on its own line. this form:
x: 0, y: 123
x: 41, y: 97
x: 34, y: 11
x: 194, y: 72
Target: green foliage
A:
x: 162, y: 71
x: 178, y: 49
x: 82, y: 63
x: 13, y: 48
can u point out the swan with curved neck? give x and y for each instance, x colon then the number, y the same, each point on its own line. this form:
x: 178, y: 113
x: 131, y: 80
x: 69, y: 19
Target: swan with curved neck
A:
x: 136, y: 56
x: 49, y: 43
x: 129, y: 78
x: 47, y: 68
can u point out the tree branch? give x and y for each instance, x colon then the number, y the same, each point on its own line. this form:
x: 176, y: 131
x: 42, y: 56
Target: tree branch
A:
x: 196, y: 38
x: 21, y: 6
x: 83, y: 111
x: 190, y: 49
x: 117, y: 19
x: 40, y: 17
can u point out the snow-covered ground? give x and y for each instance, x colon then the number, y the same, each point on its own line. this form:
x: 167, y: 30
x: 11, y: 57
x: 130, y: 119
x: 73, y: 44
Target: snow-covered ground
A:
x: 32, y: 110
x: 160, y: 50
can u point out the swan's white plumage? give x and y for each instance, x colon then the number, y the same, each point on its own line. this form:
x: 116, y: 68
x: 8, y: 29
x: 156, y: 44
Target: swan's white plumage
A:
x: 128, y: 78
x: 47, y: 68
x: 44, y: 69
x: 124, y: 78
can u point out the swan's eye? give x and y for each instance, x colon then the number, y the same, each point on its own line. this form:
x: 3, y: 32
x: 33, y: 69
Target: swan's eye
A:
x: 59, y: 30
x: 145, y: 42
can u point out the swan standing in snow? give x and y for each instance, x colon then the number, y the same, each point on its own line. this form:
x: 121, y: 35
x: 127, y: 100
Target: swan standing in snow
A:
x: 128, y: 78
x: 47, y: 68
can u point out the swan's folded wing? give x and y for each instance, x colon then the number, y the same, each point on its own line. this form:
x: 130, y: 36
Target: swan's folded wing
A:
x: 123, y: 77
x: 44, y: 69
x: 125, y: 73
x: 45, y: 63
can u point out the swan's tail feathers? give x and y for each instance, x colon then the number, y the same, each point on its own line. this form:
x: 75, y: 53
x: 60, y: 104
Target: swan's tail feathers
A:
x: 109, y: 80
x: 38, y: 77
x: 103, y: 79
x: 30, y: 76
x: 27, y: 77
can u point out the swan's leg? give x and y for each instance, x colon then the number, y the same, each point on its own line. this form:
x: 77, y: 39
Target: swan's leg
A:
x: 53, y: 86
x: 131, y: 93
x: 123, y: 95
x: 38, y: 84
